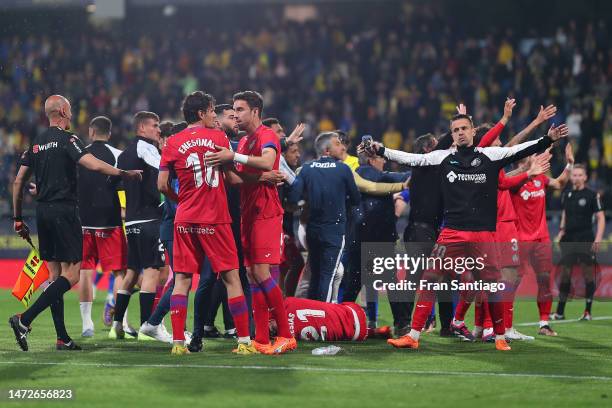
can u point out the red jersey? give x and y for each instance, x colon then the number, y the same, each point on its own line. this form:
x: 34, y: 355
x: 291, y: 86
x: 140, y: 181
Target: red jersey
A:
x: 202, y: 198
x: 259, y: 200
x: 312, y: 320
x: 530, y: 206
x: 505, y: 208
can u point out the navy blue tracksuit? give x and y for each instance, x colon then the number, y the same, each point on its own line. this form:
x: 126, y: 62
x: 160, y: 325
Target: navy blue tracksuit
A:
x: 328, y: 185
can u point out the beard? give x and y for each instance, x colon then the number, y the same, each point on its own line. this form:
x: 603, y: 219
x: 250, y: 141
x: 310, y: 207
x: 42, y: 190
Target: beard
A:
x: 231, y: 133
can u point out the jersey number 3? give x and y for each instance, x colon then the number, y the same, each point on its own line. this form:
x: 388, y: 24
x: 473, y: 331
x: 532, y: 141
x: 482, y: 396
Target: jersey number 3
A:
x: 211, y: 174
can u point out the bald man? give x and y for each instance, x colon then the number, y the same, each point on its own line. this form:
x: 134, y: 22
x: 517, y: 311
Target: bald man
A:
x: 52, y: 157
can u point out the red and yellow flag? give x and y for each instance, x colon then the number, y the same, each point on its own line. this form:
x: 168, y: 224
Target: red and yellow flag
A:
x: 33, y: 274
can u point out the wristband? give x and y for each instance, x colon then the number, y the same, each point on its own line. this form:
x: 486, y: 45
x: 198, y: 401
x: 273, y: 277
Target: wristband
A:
x: 569, y: 167
x: 241, y: 158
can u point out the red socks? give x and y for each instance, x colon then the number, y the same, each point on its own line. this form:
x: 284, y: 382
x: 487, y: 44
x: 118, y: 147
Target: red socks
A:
x: 544, y: 296
x: 239, y: 311
x: 422, y: 309
x: 260, y: 315
x: 463, y: 305
x: 178, y: 314
x: 274, y: 298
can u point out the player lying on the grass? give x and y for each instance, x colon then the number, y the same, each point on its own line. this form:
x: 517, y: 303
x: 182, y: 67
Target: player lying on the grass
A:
x: 313, y: 320
x: 469, y: 178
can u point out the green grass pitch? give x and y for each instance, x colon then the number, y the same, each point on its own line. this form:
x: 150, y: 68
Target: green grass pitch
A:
x: 574, y: 369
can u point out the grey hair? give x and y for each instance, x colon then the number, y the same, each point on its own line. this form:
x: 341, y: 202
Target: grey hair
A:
x: 323, y: 142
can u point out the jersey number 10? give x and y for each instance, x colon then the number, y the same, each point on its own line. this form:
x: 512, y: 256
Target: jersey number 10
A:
x: 211, y: 174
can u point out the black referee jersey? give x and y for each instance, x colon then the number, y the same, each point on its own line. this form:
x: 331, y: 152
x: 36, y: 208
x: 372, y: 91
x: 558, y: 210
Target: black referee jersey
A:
x: 53, y: 156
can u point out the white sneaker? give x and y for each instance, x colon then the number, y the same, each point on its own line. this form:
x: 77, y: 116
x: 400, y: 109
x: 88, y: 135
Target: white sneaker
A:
x: 188, y: 336
x: 165, y: 332
x: 155, y: 332
x: 513, y: 334
x: 88, y: 332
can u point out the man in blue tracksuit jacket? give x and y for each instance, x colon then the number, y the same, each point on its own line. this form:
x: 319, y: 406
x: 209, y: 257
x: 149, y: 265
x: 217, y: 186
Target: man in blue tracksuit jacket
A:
x: 328, y: 186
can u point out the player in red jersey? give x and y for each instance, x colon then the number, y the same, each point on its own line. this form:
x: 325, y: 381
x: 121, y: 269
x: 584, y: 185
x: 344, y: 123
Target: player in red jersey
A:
x: 313, y: 320
x: 262, y: 216
x: 535, y: 247
x: 202, y: 226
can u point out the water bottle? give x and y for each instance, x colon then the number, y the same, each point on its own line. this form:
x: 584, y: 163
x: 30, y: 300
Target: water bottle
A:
x: 326, y: 351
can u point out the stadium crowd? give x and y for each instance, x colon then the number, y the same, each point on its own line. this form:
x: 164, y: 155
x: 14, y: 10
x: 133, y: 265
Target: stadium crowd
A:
x: 394, y: 81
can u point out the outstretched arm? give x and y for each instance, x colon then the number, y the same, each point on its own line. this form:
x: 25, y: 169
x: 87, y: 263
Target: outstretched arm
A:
x: 560, y: 182
x: 544, y: 115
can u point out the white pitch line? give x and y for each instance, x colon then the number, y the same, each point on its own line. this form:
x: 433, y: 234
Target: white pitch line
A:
x: 564, y: 321
x: 319, y: 369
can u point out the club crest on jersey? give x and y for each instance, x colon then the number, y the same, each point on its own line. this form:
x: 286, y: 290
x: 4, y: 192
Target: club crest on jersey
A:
x: 451, y: 176
x: 252, y: 144
x: 582, y: 202
x: 525, y: 194
x: 476, y: 162
x: 537, y: 183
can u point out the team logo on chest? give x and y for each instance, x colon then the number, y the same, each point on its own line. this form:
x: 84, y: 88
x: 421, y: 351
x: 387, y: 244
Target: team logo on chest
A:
x: 537, y: 183
x: 476, y: 162
x: 582, y: 202
x: 525, y: 194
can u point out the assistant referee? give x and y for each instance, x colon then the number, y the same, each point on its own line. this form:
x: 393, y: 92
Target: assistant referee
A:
x: 52, y: 158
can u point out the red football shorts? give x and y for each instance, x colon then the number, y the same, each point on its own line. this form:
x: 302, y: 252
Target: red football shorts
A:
x: 107, y: 246
x: 192, y: 242
x: 506, y: 240
x: 261, y: 240
x: 536, y: 255
x: 473, y: 255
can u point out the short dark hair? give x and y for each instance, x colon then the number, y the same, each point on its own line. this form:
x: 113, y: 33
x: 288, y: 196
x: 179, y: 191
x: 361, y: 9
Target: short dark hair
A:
x: 481, y: 130
x: 101, y: 124
x: 252, y: 98
x: 462, y: 116
x: 270, y: 121
x: 581, y: 166
x: 195, y: 102
x: 424, y: 143
x: 141, y: 116
x: 344, y: 139
x: 219, y: 109
x: 166, y: 128
x: 178, y: 127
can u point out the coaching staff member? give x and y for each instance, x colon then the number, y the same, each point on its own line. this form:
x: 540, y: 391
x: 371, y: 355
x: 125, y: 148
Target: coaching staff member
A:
x: 52, y: 157
x: 328, y: 185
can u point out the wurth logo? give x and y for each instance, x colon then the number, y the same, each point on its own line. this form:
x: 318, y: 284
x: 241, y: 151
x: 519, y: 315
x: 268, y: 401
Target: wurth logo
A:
x: 41, y: 148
